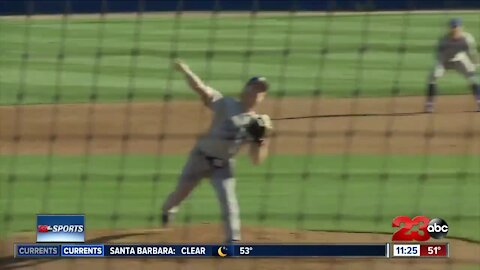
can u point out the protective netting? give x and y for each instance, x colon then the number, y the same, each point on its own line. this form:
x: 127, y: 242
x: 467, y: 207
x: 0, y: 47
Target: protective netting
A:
x: 95, y: 120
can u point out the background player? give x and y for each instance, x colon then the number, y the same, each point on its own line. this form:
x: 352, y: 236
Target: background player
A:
x: 456, y: 50
x: 234, y: 123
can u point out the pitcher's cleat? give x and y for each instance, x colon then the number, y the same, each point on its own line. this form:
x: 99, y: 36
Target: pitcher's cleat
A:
x: 429, y: 108
x: 165, y: 220
x: 232, y: 242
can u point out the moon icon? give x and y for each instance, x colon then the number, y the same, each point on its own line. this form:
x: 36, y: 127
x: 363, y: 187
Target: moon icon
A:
x: 220, y: 251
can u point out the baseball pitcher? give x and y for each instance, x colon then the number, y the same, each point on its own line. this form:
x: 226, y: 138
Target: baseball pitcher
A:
x: 234, y: 123
x: 456, y: 50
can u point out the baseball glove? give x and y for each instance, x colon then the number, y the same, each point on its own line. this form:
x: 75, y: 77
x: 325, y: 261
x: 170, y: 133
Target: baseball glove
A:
x: 259, y: 127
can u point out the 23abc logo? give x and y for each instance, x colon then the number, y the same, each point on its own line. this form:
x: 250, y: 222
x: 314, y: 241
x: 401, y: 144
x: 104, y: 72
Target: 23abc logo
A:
x: 436, y: 228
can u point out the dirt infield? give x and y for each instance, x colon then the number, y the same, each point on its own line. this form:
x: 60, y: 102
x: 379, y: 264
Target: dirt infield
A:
x: 366, y: 125
x: 462, y: 253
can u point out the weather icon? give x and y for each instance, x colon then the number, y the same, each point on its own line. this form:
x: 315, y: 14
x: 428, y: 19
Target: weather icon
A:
x: 222, y: 251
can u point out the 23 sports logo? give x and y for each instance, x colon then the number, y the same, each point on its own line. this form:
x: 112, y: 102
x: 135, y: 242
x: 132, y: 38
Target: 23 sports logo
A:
x: 60, y: 228
x: 436, y: 228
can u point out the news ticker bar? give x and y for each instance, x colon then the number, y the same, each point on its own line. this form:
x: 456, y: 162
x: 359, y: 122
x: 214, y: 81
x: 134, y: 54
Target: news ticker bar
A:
x: 139, y: 250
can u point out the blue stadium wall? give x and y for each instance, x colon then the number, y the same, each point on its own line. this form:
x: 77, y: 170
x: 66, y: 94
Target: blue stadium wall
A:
x: 12, y: 7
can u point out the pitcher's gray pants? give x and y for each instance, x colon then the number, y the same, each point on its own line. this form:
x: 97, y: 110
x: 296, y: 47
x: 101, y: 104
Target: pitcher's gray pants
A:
x: 221, y: 173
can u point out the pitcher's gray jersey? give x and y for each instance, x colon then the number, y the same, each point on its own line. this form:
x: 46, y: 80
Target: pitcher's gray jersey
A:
x: 227, y: 131
x: 455, y: 50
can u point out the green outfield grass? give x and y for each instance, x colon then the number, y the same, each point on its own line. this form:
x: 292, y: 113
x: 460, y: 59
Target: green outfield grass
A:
x: 339, y: 194
x: 294, y: 74
x: 359, y: 200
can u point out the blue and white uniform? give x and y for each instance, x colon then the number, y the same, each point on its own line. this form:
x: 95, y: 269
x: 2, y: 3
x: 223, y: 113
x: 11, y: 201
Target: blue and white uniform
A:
x: 458, y: 54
